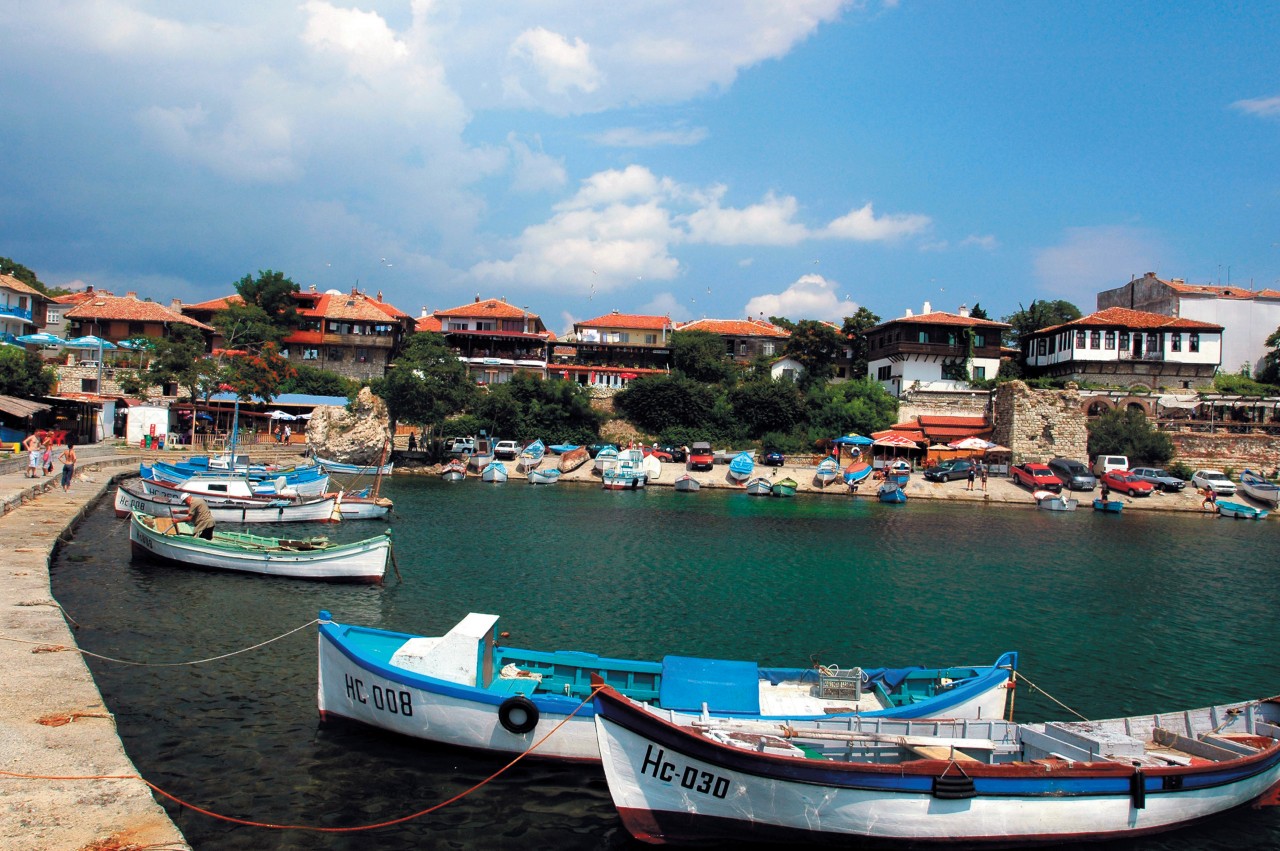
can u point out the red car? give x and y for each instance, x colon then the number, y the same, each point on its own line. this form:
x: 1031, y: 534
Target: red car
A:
x: 1038, y: 477
x: 1126, y: 482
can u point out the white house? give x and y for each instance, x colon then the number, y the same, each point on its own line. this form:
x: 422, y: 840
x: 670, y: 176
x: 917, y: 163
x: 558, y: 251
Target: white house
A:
x: 22, y: 308
x: 933, y: 351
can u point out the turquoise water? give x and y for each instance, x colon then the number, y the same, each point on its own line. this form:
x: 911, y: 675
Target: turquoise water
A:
x: 1111, y: 615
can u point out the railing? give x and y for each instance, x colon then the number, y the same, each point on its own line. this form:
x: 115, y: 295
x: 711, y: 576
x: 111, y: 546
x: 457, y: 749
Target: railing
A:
x: 19, y: 312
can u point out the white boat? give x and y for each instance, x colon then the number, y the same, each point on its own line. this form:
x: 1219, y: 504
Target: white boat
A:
x: 454, y: 471
x: 162, y: 539
x: 827, y: 471
x: 531, y: 456
x: 970, y: 784
x: 759, y: 486
x: 317, y: 509
x: 494, y: 472
x: 606, y: 459
x: 541, y: 476
x: 466, y: 688
x: 1256, y: 486
x: 238, y: 486
x: 687, y: 484
x: 1050, y: 501
x: 652, y: 468
x: 370, y: 507
x: 741, y: 466
x: 355, y: 469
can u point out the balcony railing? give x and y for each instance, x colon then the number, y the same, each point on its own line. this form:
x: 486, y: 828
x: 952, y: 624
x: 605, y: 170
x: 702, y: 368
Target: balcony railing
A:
x: 19, y: 312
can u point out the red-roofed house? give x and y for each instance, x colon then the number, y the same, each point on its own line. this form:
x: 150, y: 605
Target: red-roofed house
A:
x: 1247, y: 316
x: 1128, y: 348
x: 117, y: 318
x: 610, y: 350
x: 495, y: 339
x: 745, y: 339
x: 933, y: 351
x: 352, y: 333
x: 22, y: 308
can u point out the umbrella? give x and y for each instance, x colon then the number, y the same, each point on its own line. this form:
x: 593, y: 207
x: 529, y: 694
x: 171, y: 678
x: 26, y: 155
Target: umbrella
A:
x: 971, y: 443
x: 44, y: 338
x: 853, y: 440
x: 896, y: 440
x: 281, y: 415
x: 89, y: 342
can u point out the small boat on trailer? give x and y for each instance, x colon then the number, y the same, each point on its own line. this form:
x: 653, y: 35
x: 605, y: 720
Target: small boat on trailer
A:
x: 1240, y: 511
x: 759, y: 486
x: 465, y: 688
x: 264, y: 510
x: 544, y: 477
x: 687, y: 484
x: 970, y: 784
x: 1259, y: 487
x: 482, y: 454
x: 784, y: 487
x: 827, y: 471
x: 1050, y: 501
x: 495, y: 472
x: 454, y: 471
x: 1114, y: 506
x: 162, y: 539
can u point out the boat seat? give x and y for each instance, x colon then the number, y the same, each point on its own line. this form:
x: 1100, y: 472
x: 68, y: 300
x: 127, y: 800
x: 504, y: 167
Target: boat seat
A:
x: 514, y: 685
x: 941, y: 752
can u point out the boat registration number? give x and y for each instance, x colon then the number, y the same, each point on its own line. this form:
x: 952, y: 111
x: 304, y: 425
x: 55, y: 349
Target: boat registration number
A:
x: 689, y: 777
x: 390, y: 700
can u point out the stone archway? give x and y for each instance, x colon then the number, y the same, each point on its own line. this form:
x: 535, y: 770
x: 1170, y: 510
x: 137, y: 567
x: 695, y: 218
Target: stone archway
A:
x: 1136, y: 405
x: 1095, y: 407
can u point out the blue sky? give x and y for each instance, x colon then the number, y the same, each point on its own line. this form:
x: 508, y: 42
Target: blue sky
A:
x: 695, y: 158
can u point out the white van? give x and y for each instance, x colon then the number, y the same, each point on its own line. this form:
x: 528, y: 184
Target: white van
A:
x: 1105, y: 463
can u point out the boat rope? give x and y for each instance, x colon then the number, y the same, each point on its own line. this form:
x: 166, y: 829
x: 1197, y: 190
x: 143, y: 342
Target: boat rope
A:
x: 43, y: 647
x: 355, y: 829
x: 1018, y: 675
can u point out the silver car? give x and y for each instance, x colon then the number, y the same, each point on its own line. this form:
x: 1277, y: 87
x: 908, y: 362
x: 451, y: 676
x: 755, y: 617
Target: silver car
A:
x: 1158, y: 477
x: 1214, y: 480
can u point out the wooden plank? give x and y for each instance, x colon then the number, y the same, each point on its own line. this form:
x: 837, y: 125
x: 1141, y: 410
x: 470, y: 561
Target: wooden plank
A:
x: 940, y: 752
x: 1228, y: 744
x: 1192, y: 746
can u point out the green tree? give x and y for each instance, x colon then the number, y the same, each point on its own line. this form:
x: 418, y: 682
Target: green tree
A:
x: 528, y: 407
x: 815, y: 346
x: 762, y: 405
x: 23, y: 374
x: 855, y: 329
x: 1270, y: 371
x: 426, y: 384
x: 1041, y: 314
x: 861, y: 405
x: 661, y: 402
x: 247, y: 327
x: 701, y: 355
x: 273, y: 293
x: 978, y: 312
x: 318, y: 382
x: 1129, y: 433
x: 180, y: 359
x: 257, y: 373
x: 22, y: 273
x: 782, y: 322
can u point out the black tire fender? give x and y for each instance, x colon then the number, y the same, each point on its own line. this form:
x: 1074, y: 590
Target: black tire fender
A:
x: 518, y: 715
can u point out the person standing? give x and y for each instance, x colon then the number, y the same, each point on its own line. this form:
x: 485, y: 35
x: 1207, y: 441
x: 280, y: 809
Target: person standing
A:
x: 288, y: 433
x: 46, y: 454
x: 68, y: 464
x: 984, y: 476
x: 34, y: 454
x: 199, y: 516
x: 972, y: 474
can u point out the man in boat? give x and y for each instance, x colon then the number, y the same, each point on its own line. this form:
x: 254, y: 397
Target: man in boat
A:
x: 199, y: 516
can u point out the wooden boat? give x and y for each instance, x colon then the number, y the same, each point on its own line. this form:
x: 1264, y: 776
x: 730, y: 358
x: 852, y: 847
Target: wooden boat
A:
x: 495, y: 472
x: 231, y: 464
x: 531, y: 456
x: 454, y: 471
x: 179, y: 472
x: 687, y: 484
x: 1114, y: 506
x: 573, y: 459
x: 784, y: 487
x: 361, y: 507
x: 892, y: 493
x: 606, y: 459
x: 1050, y: 501
x: 828, y: 470
x: 856, y: 473
x: 899, y: 471
x: 544, y: 477
x: 623, y: 477
x: 482, y: 455
x: 1256, y: 486
x: 236, y: 487
x: 162, y: 539
x: 162, y: 504
x: 741, y: 466
x: 1239, y: 510
x: 466, y: 688
x: 563, y: 448
x: 354, y: 469
x: 759, y: 486
x: 956, y: 784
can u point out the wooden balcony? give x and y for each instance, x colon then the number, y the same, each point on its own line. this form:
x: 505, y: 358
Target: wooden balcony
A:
x: 359, y: 341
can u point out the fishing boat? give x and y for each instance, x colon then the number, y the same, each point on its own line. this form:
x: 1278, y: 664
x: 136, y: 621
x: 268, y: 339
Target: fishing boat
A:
x: 899, y: 471
x: 180, y: 470
x: 227, y: 463
x: 784, y: 487
x: 856, y: 473
x: 624, y: 476
x: 354, y: 469
x: 726, y: 456
x: 563, y: 448
x: 266, y: 510
x: 891, y: 492
x: 454, y: 471
x: 828, y: 470
x: 162, y: 539
x: 531, y: 456
x: 360, y: 505
x: 606, y: 459
x: 544, y: 477
x: 687, y: 484
x: 236, y: 487
x: 741, y: 466
x: 1114, y: 506
x: 970, y: 784
x: 1257, y: 486
x: 759, y: 486
x: 482, y: 454
x: 1050, y: 501
x: 465, y: 688
x: 1239, y: 510
x: 495, y: 472
x: 573, y: 459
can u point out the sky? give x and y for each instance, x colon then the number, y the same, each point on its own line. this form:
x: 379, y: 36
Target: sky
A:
x: 797, y: 158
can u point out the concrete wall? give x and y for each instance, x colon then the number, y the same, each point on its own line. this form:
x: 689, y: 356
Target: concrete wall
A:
x: 1246, y: 325
x: 1039, y: 424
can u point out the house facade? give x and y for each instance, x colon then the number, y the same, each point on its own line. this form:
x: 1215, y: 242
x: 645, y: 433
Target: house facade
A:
x: 744, y: 339
x: 1127, y: 348
x: 117, y: 318
x: 1247, y: 316
x: 495, y: 339
x: 22, y: 308
x: 610, y: 350
x: 933, y: 351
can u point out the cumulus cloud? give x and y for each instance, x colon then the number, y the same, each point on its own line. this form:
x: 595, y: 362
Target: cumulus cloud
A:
x: 1091, y: 259
x: 535, y: 171
x: 767, y: 223
x: 863, y: 226
x: 635, y: 137
x: 809, y: 297
x: 546, y: 60
x: 986, y: 242
x: 1261, y: 107
x: 666, y: 304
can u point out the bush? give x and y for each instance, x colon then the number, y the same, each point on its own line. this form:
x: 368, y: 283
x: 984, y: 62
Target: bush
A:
x: 1129, y: 433
x: 1180, y: 469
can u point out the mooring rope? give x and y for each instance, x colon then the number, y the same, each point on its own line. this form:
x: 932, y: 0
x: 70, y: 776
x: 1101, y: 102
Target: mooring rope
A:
x: 45, y: 647
x: 1018, y: 675
x: 355, y: 829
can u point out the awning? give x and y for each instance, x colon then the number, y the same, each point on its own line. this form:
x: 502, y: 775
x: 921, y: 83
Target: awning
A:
x: 1189, y: 403
x: 16, y: 407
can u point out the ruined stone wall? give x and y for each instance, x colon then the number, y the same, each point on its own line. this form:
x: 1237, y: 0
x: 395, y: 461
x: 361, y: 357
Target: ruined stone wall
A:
x: 967, y: 403
x: 1222, y: 450
x: 1039, y: 424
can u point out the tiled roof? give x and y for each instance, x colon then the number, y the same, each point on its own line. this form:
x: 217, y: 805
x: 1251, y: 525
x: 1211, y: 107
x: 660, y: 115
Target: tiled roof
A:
x: 429, y: 323
x: 931, y: 420
x: 9, y: 282
x: 128, y: 308
x: 80, y: 296
x: 487, y: 309
x: 351, y: 306
x: 216, y: 304
x: 627, y: 320
x: 736, y: 328
x: 939, y: 317
x: 1123, y: 317
x: 1217, y: 291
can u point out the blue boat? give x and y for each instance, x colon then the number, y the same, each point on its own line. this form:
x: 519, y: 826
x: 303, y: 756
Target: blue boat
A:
x: 355, y: 469
x: 466, y: 688
x: 1112, y: 505
x: 562, y: 448
x: 1240, y: 511
x: 892, y: 493
x: 741, y: 466
x: 856, y: 473
x: 828, y: 469
x: 494, y: 472
x: 548, y: 476
x: 531, y: 456
x: 899, y: 472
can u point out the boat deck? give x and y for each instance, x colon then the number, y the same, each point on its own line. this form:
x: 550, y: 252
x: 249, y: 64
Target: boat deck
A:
x: 797, y: 698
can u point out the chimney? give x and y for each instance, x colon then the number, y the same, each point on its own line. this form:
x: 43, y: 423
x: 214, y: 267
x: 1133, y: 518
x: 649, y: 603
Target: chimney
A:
x: 89, y: 288
x: 424, y: 313
x: 176, y: 305
x: 131, y: 295
x: 928, y: 308
x: 908, y: 314
x: 313, y: 288
x: 963, y: 310
x: 379, y: 295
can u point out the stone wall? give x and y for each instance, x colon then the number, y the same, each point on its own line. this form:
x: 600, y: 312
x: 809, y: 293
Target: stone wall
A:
x: 1221, y: 450
x: 1039, y: 424
x: 959, y: 403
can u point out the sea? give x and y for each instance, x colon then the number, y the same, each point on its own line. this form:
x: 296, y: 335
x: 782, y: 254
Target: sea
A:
x: 1111, y: 615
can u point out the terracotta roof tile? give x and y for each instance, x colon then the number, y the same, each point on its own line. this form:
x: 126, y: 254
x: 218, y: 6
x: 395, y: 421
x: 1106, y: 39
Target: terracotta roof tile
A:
x: 627, y: 320
x: 9, y: 282
x: 736, y: 328
x: 488, y: 308
x: 216, y: 304
x: 931, y: 420
x: 80, y: 296
x: 128, y: 308
x: 357, y: 306
x: 939, y: 317
x: 429, y: 323
x: 1123, y: 317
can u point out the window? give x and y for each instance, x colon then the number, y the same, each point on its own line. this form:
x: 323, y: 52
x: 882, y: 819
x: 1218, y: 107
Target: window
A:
x: 953, y: 370
x: 54, y: 317
x: 624, y: 337
x: 742, y: 349
x: 1153, y: 343
x: 1109, y: 340
x: 789, y: 374
x: 884, y: 373
x: 979, y: 339
x: 1193, y: 342
x: 651, y: 339
x: 1042, y: 346
x: 1175, y: 342
x: 729, y: 347
x: 334, y: 353
x: 1095, y: 339
x: 362, y: 355
x: 310, y: 354
x: 88, y: 385
x: 1124, y: 341
x: 484, y: 326
x: 767, y: 349
x: 1080, y: 339
x: 284, y: 353
x: 979, y: 372
x: 922, y: 336
x: 136, y: 328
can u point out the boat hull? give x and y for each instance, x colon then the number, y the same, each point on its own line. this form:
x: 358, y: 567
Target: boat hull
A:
x: 364, y: 507
x: 573, y: 459
x: 892, y: 495
x: 494, y: 473
x: 759, y: 487
x: 687, y: 484
x: 544, y: 477
x: 1240, y: 511
x: 354, y: 469
x: 281, y: 511
x: 1114, y: 506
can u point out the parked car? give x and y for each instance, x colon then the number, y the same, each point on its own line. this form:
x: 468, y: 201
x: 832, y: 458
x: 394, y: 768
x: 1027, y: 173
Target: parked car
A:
x: 1036, y: 476
x: 774, y: 458
x: 459, y: 445
x: 700, y: 456
x: 1104, y: 463
x: 1159, y: 478
x: 946, y: 471
x: 1126, y: 482
x: 1214, y: 480
x: 506, y: 449
x: 677, y: 453
x: 594, y: 449
x: 1073, y: 474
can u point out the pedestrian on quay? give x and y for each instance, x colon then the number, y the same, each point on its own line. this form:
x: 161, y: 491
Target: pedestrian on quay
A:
x: 1105, y: 492
x: 46, y: 454
x: 1210, y: 500
x: 413, y: 441
x: 969, y: 485
x: 34, y: 455
x: 68, y: 464
x: 984, y: 475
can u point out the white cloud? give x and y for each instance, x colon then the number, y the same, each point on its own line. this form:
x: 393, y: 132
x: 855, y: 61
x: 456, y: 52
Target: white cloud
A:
x: 986, y: 242
x: 809, y: 297
x: 863, y: 226
x: 1261, y: 107
x: 556, y: 64
x: 666, y: 304
x: 635, y: 137
x: 535, y: 171
x: 1092, y: 259
x: 616, y: 186
x: 364, y: 39
x: 767, y: 223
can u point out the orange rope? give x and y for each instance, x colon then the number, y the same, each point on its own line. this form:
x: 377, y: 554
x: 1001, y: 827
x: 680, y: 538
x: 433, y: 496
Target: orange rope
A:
x: 250, y: 823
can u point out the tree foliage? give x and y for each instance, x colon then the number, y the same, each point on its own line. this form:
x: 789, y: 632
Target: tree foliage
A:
x: 1041, y: 314
x: 700, y: 355
x: 660, y: 402
x: 762, y: 405
x: 855, y: 329
x: 815, y: 346
x: 1269, y: 373
x: 273, y: 293
x: 1129, y: 433
x: 318, y: 382
x: 247, y: 327
x: 529, y: 407
x: 22, y: 273
x: 978, y: 312
x: 427, y: 383
x: 257, y: 373
x: 861, y: 406
x: 23, y: 374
